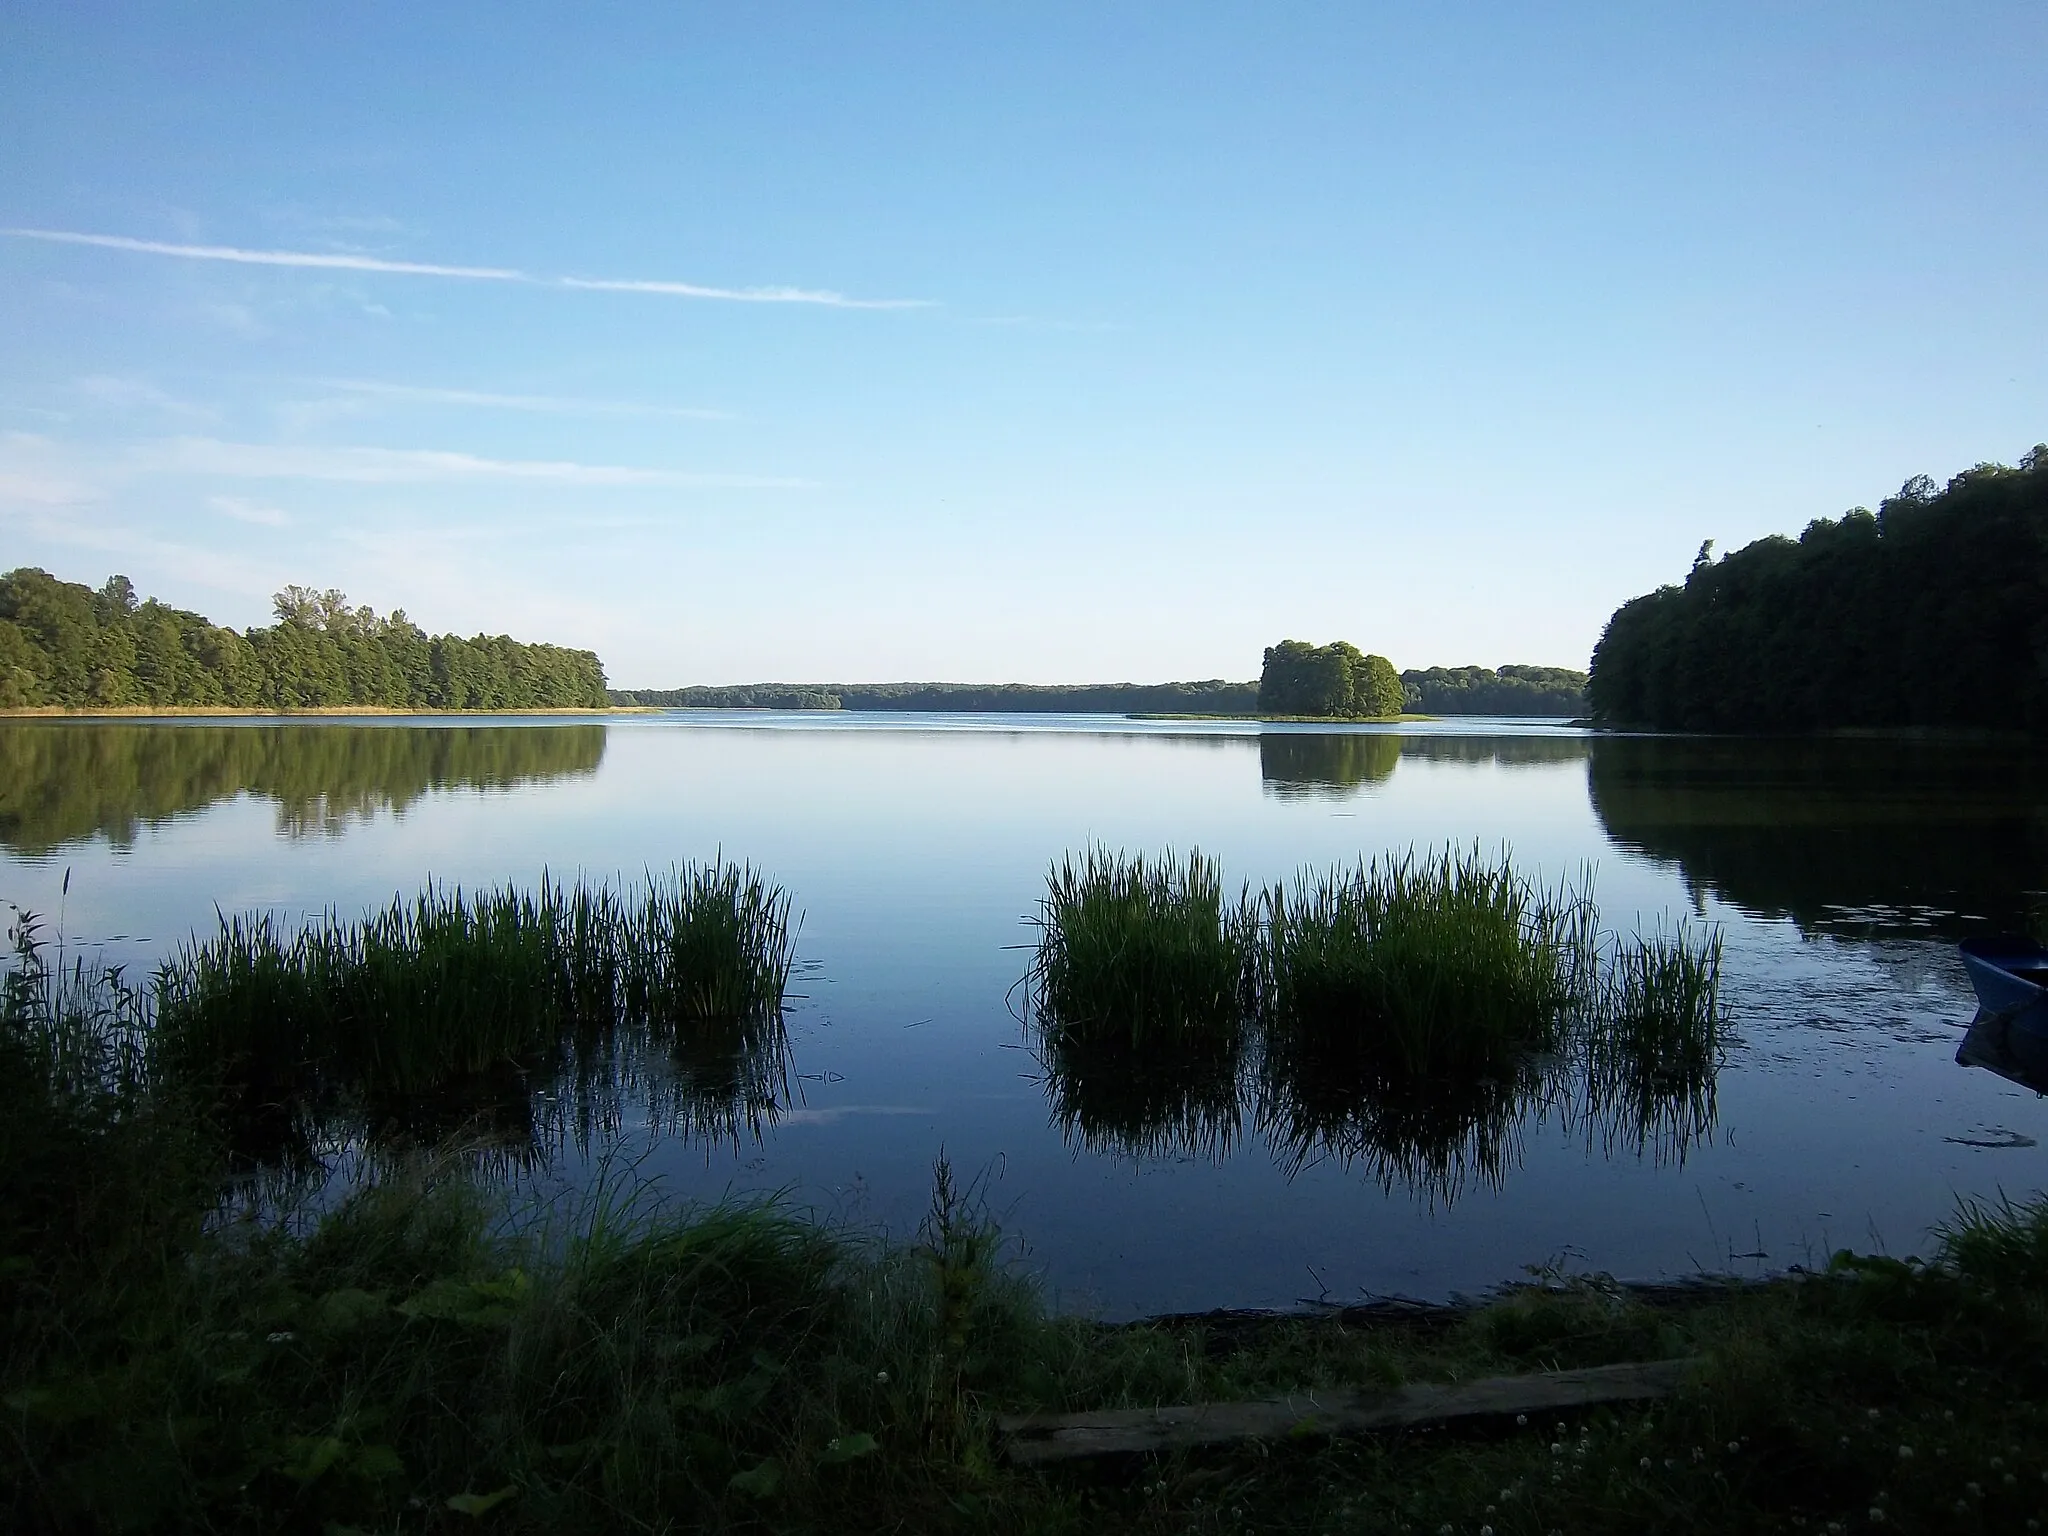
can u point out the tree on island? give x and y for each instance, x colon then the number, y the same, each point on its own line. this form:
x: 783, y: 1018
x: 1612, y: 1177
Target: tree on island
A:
x: 1336, y: 680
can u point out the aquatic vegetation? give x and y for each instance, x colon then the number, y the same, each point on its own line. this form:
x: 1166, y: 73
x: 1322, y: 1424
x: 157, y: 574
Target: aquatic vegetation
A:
x: 1421, y: 965
x: 394, y: 1014
x: 1654, y: 1041
x: 1138, y: 951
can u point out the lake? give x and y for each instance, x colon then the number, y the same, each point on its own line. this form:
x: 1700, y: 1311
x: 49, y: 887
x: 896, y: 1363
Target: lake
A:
x: 916, y: 848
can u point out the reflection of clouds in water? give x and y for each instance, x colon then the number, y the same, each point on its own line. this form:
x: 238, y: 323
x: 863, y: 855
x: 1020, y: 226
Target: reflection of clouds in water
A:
x: 843, y: 1111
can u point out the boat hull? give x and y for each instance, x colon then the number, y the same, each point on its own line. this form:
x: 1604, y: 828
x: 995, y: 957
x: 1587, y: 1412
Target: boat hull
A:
x: 2004, y: 972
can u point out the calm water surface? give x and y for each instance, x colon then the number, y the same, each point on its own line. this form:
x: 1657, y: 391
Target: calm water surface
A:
x: 915, y: 847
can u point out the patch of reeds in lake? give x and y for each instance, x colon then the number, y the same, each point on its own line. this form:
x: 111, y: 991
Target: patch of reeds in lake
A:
x: 1139, y: 952
x: 455, y: 1000
x: 1409, y: 1015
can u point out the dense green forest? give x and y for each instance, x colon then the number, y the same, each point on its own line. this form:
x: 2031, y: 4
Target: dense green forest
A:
x: 1483, y: 691
x: 66, y: 645
x: 62, y: 781
x: 1337, y: 680
x: 1930, y: 612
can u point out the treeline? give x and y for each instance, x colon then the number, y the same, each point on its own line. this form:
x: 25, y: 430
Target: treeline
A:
x: 1210, y: 697
x: 62, y: 782
x: 1930, y: 612
x: 1483, y: 691
x: 65, y: 645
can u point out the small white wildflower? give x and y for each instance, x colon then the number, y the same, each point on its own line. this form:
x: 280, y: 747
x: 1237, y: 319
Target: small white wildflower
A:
x: 1734, y: 1448
x: 1948, y: 1413
x: 1876, y: 1515
x: 1557, y: 1447
x: 2011, y: 1481
x: 1644, y: 1463
x: 1905, y: 1453
x: 283, y: 1336
x: 1670, y: 1462
x: 1444, y: 1529
x: 1522, y: 1420
x: 1873, y: 1413
x: 1486, y: 1530
x: 882, y: 1377
x: 1974, y: 1490
x: 1962, y: 1506
x: 1488, y: 1510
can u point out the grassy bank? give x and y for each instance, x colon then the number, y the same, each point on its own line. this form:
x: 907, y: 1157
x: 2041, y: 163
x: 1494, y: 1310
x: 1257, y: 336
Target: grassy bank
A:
x: 1282, y: 719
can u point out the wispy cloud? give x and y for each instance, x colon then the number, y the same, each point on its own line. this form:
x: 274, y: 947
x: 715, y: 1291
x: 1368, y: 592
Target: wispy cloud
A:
x: 416, y: 466
x: 348, y: 262
x: 129, y: 394
x: 243, y: 510
x: 549, y: 404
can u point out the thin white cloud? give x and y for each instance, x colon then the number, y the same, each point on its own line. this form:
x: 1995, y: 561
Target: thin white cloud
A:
x: 343, y: 262
x: 549, y: 404
x: 245, y: 511
x: 415, y: 466
x: 34, y: 473
x: 740, y: 295
x: 323, y: 260
x: 128, y: 394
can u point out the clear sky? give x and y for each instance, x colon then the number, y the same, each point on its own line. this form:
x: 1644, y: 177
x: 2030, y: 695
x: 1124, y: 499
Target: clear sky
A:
x: 1039, y: 342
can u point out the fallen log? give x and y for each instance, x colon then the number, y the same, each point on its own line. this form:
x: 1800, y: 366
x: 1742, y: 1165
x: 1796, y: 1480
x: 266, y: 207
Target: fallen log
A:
x: 1035, y: 1439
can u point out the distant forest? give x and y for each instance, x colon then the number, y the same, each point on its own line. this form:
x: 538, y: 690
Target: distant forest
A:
x: 1212, y: 697
x: 1438, y: 691
x: 1483, y: 691
x: 68, y: 646
x: 1930, y: 612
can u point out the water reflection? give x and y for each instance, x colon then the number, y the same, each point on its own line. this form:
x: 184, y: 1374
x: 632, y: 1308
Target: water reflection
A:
x: 1296, y: 765
x: 1433, y: 1138
x: 1852, y: 837
x: 63, y: 781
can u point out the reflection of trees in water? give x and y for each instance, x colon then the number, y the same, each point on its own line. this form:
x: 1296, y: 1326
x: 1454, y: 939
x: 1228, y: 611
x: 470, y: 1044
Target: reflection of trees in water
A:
x: 1304, y: 765
x: 1298, y: 765
x: 1856, y: 837
x: 62, y: 781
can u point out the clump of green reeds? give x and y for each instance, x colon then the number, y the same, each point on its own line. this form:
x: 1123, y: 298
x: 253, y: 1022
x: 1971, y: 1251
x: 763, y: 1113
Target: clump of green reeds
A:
x: 1440, y: 964
x: 1654, y: 1040
x: 1139, y: 951
x: 455, y: 988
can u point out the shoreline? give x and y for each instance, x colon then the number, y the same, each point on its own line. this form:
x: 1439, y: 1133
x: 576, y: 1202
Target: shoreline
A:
x: 329, y: 711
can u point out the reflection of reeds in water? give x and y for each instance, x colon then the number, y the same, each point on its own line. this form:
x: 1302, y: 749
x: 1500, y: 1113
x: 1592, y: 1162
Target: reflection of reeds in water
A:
x: 1409, y: 1016
x: 1435, y: 1137
x: 1182, y: 1102
x: 459, y: 1005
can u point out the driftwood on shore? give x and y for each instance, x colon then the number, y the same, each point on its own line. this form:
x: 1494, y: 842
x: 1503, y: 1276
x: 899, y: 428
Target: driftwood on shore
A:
x: 1035, y: 1439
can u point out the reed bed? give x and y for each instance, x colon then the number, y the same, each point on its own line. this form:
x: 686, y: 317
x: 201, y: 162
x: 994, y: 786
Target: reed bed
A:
x: 1139, y: 952
x: 1422, y: 965
x: 410, y: 1008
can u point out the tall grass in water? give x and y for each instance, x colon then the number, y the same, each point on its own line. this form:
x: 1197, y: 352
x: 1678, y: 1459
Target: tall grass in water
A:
x: 1139, y: 952
x: 561, y: 983
x: 1183, y: 1101
x: 1420, y: 966
x: 1654, y: 1042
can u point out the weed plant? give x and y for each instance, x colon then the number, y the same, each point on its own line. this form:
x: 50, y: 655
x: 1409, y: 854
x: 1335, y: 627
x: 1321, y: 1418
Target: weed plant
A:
x: 408, y: 1360
x: 1139, y: 953
x: 452, y: 996
x: 1420, y: 966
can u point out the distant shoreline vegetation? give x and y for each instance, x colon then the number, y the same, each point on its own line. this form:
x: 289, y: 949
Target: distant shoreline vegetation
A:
x: 64, y: 646
x: 1930, y: 614
x: 1511, y: 690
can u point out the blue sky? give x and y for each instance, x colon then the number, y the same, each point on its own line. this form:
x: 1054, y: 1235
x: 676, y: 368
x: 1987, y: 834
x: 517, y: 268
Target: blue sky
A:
x: 1031, y: 342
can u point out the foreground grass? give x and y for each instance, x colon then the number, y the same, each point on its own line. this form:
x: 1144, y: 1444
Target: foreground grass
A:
x: 411, y: 1360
